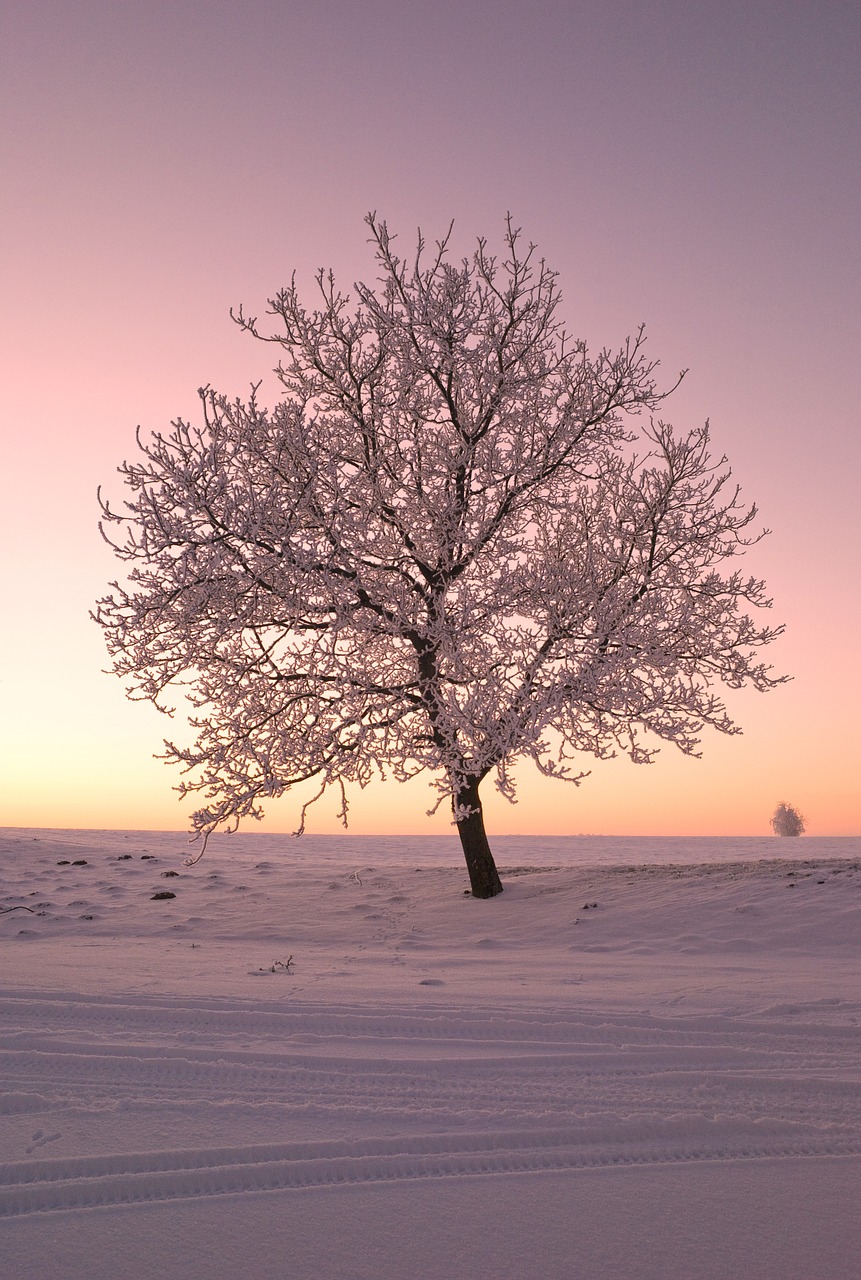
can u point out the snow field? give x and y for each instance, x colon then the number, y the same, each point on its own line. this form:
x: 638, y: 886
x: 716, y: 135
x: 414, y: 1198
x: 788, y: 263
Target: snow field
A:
x: 646, y: 1071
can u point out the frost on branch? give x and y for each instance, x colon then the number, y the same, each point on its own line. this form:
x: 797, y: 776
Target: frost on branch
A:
x: 459, y: 539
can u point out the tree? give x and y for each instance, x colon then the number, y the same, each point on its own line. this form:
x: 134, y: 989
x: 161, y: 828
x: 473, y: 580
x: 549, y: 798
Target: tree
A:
x: 445, y: 549
x: 787, y: 821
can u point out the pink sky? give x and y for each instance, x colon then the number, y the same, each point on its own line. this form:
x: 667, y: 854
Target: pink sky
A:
x: 693, y: 167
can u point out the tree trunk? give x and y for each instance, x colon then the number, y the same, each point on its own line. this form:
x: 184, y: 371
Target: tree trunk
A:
x: 483, y: 875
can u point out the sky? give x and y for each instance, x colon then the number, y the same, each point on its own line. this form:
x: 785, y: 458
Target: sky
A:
x: 692, y: 167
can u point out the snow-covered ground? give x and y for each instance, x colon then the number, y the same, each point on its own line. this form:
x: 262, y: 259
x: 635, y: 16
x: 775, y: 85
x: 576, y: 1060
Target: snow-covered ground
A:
x: 322, y: 1059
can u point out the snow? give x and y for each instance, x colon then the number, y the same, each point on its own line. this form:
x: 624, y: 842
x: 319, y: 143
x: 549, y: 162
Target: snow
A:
x: 323, y: 1059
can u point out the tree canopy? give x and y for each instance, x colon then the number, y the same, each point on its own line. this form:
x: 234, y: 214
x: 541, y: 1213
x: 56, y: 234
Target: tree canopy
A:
x: 787, y: 821
x: 459, y: 539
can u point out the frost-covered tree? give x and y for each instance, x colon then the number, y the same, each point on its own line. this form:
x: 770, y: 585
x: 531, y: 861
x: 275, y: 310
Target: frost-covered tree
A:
x: 787, y: 821
x: 459, y: 540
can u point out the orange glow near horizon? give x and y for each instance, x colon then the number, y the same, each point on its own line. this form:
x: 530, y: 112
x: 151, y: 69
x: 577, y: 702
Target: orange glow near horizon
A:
x: 123, y: 787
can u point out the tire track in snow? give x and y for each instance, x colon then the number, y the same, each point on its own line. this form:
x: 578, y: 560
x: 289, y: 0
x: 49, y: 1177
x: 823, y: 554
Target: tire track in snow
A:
x: 129, y: 1186
x: 451, y: 1092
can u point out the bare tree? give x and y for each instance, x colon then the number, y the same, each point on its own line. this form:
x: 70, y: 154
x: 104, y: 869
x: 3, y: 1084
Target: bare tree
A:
x: 787, y: 821
x: 445, y: 549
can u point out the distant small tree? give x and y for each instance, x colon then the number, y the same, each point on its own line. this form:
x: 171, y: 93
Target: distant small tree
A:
x: 445, y: 549
x: 787, y: 821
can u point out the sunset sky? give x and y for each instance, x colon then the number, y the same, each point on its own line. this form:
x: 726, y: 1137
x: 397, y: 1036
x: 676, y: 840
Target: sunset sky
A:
x: 692, y: 166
